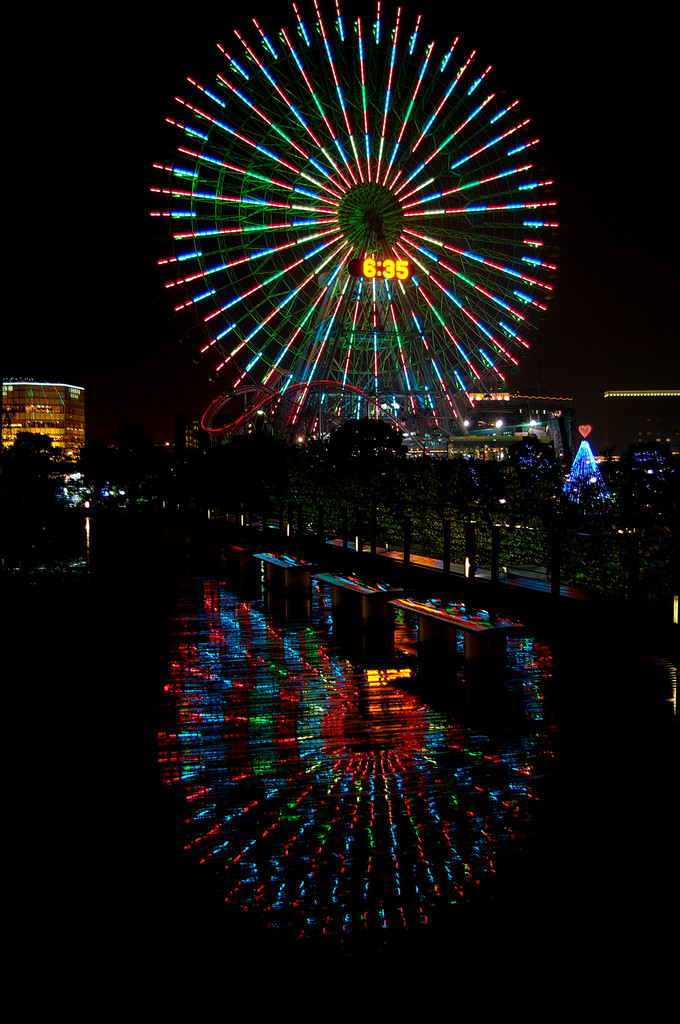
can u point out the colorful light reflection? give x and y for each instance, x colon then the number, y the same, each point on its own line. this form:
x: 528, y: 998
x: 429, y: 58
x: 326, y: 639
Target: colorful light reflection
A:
x: 328, y: 799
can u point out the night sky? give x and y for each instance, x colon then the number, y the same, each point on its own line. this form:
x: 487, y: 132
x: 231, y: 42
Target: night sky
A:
x: 86, y: 122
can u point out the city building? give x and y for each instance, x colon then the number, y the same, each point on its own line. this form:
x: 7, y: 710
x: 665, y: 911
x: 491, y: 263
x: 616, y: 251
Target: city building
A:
x: 642, y: 417
x: 189, y: 434
x: 497, y: 421
x: 41, y: 407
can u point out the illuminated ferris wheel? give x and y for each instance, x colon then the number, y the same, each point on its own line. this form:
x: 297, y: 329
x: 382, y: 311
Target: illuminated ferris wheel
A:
x: 357, y: 224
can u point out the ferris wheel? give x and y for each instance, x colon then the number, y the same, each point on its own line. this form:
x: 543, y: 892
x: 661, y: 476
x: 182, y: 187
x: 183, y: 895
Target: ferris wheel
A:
x: 357, y: 223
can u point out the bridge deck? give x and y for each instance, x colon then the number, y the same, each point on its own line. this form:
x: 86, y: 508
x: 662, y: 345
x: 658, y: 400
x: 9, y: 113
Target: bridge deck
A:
x: 281, y: 561
x: 357, y: 586
x: 457, y: 615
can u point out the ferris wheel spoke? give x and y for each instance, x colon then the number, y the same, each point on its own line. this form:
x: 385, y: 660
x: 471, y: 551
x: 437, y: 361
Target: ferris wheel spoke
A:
x: 477, y: 183
x: 505, y: 272
x: 438, y: 317
x: 405, y: 119
x: 435, y: 114
x: 254, y: 256
x: 297, y: 333
x: 265, y: 151
x: 319, y: 108
x: 263, y: 324
x: 218, y: 165
x: 339, y: 96
x: 266, y: 284
x: 483, y: 329
x: 388, y: 92
x: 486, y: 317
x: 279, y: 91
x: 440, y: 149
x: 225, y: 83
x: 494, y: 142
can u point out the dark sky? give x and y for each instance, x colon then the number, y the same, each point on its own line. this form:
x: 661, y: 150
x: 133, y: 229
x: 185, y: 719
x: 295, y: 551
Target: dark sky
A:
x: 85, y: 123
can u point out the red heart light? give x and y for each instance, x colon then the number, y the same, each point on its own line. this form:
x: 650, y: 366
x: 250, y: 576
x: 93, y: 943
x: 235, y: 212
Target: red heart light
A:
x: 585, y: 429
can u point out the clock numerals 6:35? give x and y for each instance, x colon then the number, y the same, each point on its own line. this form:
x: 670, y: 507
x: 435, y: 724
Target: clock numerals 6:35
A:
x: 387, y: 268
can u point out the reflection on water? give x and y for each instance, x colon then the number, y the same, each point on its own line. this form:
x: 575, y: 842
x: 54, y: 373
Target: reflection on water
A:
x: 327, y: 798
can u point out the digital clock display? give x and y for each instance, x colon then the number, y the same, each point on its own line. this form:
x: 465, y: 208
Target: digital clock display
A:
x: 382, y: 267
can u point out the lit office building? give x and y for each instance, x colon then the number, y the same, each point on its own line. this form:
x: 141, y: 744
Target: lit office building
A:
x: 38, y: 407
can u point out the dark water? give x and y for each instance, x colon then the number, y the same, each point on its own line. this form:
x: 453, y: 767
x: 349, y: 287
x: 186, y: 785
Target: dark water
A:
x: 330, y: 800
x: 361, y: 812
x: 206, y: 791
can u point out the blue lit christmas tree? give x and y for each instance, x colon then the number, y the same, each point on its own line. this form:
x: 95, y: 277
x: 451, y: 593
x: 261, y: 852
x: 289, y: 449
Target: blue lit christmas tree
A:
x: 585, y: 485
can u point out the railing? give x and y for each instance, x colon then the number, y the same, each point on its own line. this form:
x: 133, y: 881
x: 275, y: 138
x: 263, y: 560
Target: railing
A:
x: 608, y: 562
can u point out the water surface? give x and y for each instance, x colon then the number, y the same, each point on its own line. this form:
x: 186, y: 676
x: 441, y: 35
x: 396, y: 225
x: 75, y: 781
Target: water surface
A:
x: 330, y: 799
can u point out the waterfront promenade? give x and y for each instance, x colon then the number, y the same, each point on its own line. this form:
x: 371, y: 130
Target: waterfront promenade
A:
x: 599, y: 618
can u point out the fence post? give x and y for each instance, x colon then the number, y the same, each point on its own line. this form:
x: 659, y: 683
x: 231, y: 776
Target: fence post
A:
x: 633, y: 566
x: 495, y: 552
x: 470, y: 551
x: 446, y: 555
x: 373, y: 527
x: 555, y: 562
x: 407, y: 540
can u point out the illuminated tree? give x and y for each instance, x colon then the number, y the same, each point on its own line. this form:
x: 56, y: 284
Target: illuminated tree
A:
x: 585, y: 486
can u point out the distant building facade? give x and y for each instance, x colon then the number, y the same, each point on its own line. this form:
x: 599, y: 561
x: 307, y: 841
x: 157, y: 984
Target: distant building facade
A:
x: 497, y: 421
x: 642, y: 417
x: 189, y: 434
x: 41, y: 407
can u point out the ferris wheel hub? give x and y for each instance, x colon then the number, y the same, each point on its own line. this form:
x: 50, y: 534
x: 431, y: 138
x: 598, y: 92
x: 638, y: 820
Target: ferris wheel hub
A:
x: 370, y: 217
